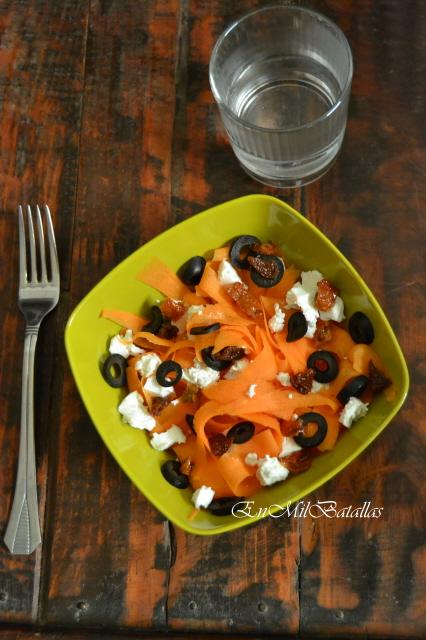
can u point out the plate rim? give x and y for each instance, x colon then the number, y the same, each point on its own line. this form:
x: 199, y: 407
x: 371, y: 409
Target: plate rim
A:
x: 195, y: 219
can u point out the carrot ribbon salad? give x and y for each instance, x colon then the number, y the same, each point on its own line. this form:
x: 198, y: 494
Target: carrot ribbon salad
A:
x: 246, y: 371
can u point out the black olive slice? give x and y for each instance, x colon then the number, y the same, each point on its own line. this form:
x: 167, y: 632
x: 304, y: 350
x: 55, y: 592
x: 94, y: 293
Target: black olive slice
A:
x: 319, y: 435
x: 354, y: 387
x: 190, y: 421
x: 223, y: 506
x: 163, y: 371
x: 266, y: 283
x: 241, y: 432
x: 361, y: 328
x: 192, y: 271
x: 114, y: 370
x: 240, y: 244
x: 154, y: 325
x: 325, y: 365
x: 211, y: 361
x: 171, y: 472
x: 201, y: 330
x: 297, y: 327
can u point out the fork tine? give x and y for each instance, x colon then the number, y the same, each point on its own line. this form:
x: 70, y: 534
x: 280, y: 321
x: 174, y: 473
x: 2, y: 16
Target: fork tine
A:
x: 54, y: 265
x: 42, y: 246
x: 32, y: 245
x: 22, y: 249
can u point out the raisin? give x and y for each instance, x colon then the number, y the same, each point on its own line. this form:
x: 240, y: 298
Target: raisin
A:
x: 326, y: 295
x: 190, y: 393
x: 219, y: 444
x: 172, y: 309
x: 159, y: 404
x: 322, y: 332
x: 245, y: 301
x: 302, y: 381
x: 236, y: 290
x: 230, y: 353
x: 290, y: 428
x: 298, y: 461
x: 167, y: 330
x: 266, y: 269
x: 186, y: 467
x: 377, y: 379
x: 267, y: 248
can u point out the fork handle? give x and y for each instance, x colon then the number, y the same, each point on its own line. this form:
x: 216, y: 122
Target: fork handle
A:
x: 23, y: 529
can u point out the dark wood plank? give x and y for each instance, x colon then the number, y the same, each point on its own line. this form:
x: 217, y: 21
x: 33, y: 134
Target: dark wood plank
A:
x: 205, y: 171
x: 247, y: 580
x: 110, y: 550
x: 366, y: 577
x: 15, y: 634
x: 41, y: 64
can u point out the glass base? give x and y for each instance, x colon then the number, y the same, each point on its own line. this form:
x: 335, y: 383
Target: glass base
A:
x: 289, y: 183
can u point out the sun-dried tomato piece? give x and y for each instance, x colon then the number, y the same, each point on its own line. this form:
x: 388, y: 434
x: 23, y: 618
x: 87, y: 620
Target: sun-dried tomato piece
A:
x: 326, y: 295
x: 298, y: 461
x: 266, y: 248
x: 172, y: 309
x: 230, y: 353
x: 244, y: 300
x: 186, y: 467
x: 302, y: 381
x: 266, y: 268
x: 219, y: 444
x: 322, y: 332
x: 377, y: 379
x: 159, y: 404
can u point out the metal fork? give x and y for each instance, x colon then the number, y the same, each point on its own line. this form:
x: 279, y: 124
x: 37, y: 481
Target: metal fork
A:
x: 38, y: 294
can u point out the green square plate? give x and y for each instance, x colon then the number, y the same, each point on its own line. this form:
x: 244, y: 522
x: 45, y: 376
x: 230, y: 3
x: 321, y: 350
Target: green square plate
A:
x: 87, y: 336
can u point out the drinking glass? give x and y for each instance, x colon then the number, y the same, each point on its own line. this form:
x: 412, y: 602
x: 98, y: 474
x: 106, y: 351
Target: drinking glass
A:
x: 281, y: 77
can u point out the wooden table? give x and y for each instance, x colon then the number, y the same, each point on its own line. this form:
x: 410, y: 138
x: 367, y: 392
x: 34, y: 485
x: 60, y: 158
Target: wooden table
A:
x: 107, y: 115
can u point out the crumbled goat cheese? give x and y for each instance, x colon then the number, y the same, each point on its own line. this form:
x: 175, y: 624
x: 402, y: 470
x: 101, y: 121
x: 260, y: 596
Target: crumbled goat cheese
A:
x: 251, y: 392
x: 336, y: 313
x: 195, y: 309
x: 227, y: 274
x: 270, y: 471
x: 289, y: 446
x: 317, y: 387
x: 123, y: 345
x: 147, y: 364
x: 251, y: 459
x: 235, y: 369
x: 135, y: 413
x: 165, y: 440
x: 310, y: 279
x: 202, y: 497
x: 353, y: 410
x: 284, y: 379
x: 155, y: 389
x: 302, y: 295
x: 276, y: 323
x: 200, y: 374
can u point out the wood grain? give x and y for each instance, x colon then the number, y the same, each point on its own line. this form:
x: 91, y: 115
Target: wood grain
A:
x: 247, y: 580
x: 17, y: 634
x: 107, y: 114
x: 41, y: 65
x: 109, y: 552
x: 365, y: 577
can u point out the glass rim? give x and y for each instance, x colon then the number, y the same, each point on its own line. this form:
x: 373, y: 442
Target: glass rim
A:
x: 294, y: 9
